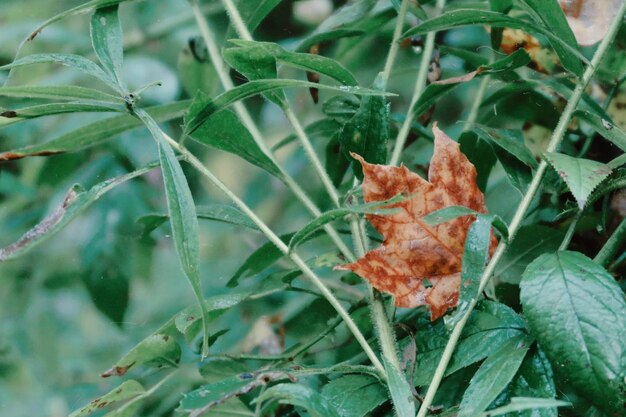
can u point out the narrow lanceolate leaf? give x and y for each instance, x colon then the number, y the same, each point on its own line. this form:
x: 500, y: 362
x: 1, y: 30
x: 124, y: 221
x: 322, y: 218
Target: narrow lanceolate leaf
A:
x: 550, y: 13
x: 604, y: 127
x: 58, y: 92
x: 300, y: 396
x: 74, y: 61
x: 125, y: 391
x: 60, y: 108
x: 74, y: 203
x: 252, y: 13
x: 96, y: 133
x: 224, y: 131
x: 493, y: 376
x: 199, y: 115
x: 465, y: 17
x: 367, y: 133
x: 582, y: 176
x: 577, y: 312
x: 107, y: 40
x: 519, y: 405
x: 400, y: 390
x: 183, y: 218
x: 155, y: 350
x: 354, y: 395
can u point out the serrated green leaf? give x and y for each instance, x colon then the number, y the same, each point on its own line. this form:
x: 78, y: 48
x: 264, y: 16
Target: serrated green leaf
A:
x: 183, y: 218
x: 125, y: 391
x: 520, y: 404
x: 551, y: 14
x: 300, y: 396
x: 400, y: 390
x: 582, y: 176
x: 58, y: 92
x: 493, y: 376
x: 75, y: 202
x: 224, y: 131
x: 199, y: 114
x: 74, y: 61
x: 155, y: 350
x: 467, y: 17
x: 354, y: 395
x: 107, y: 40
x: 577, y: 312
x: 96, y: 133
x: 604, y: 126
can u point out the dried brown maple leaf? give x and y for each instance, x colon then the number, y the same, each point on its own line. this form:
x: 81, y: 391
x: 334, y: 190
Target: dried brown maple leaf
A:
x: 417, y: 263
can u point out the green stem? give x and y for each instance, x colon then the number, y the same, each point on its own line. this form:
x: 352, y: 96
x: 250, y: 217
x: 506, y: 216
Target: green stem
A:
x: 480, y: 94
x: 420, y: 84
x: 556, y: 139
x: 395, y: 42
x: 235, y: 18
x: 571, y: 230
x: 612, y: 245
x: 295, y: 258
x: 218, y: 63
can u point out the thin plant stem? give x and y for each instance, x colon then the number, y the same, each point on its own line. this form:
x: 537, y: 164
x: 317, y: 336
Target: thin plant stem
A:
x: 295, y: 258
x: 395, y: 42
x: 533, y: 188
x: 237, y: 21
x: 612, y: 245
x: 420, y: 84
x: 216, y: 58
x: 478, y: 99
x: 571, y: 230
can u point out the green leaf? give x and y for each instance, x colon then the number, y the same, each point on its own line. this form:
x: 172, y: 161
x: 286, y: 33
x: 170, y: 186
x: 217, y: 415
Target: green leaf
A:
x: 550, y: 13
x: 75, y: 202
x: 400, y: 390
x: 156, y: 350
x: 493, y: 376
x: 252, y: 13
x: 520, y: 404
x: 341, y: 108
x: 183, y: 219
x: 615, y: 182
x: 317, y: 63
x: 452, y: 212
x: 125, y: 391
x: 377, y: 207
x: 299, y: 396
x: 367, y: 132
x: 609, y: 130
x: 199, y: 115
x: 530, y: 242
x: 194, y: 72
x: 50, y: 109
x: 577, y: 312
x: 336, y: 163
x: 319, y: 129
x: 475, y: 254
x: 354, y: 395
x: 74, y: 61
x: 58, y: 92
x: 466, y: 17
x: 582, y: 176
x: 107, y: 40
x: 96, y: 133
x: 224, y: 131
x: 489, y: 327
x: 510, y: 141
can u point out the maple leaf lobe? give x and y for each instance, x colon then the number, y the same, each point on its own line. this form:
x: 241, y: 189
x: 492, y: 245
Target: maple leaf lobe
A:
x: 414, y: 252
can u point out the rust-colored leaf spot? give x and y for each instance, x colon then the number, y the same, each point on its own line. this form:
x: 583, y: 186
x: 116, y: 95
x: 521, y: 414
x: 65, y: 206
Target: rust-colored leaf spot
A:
x: 116, y: 371
x: 417, y: 263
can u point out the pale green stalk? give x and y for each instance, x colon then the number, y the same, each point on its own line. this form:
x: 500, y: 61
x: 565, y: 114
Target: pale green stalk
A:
x: 612, y: 245
x: 420, y: 84
x: 533, y: 188
x: 395, y: 42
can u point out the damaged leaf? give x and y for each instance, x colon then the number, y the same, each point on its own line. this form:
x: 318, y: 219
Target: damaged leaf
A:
x: 589, y: 19
x: 421, y: 264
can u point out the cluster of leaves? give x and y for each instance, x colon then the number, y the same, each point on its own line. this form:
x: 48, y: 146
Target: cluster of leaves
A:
x: 503, y: 322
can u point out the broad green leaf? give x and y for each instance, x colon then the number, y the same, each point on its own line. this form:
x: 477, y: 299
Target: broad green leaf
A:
x: 224, y: 131
x: 74, y: 61
x: 367, y: 132
x: 341, y: 108
x: 156, y: 350
x: 400, y: 390
x: 74, y: 203
x: 609, y: 130
x: 107, y: 40
x: 530, y: 242
x: 219, y: 212
x: 252, y: 13
x: 577, y: 312
x: 510, y: 141
x: 58, y: 92
x: 475, y: 254
x: 216, y: 369
x: 199, y: 115
x: 128, y: 409
x: 519, y: 405
x: 466, y: 17
x: 377, y: 207
x: 582, y: 176
x: 183, y: 219
x: 489, y: 327
x: 354, y: 395
x: 96, y: 133
x: 480, y: 154
x: 300, y: 396
x: 550, y: 13
x: 493, y: 376
x: 125, y: 391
